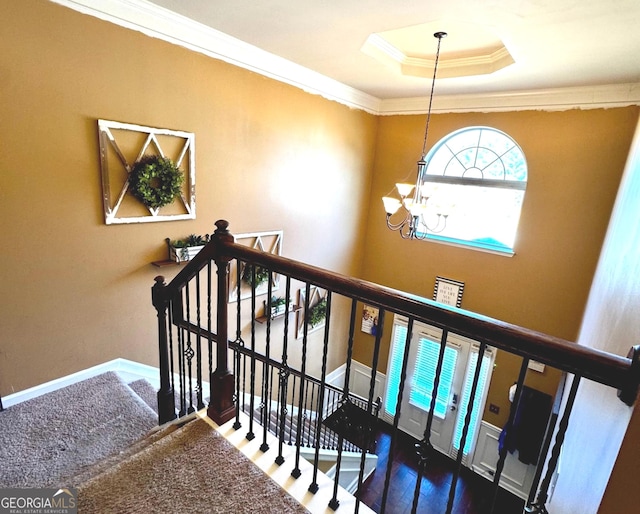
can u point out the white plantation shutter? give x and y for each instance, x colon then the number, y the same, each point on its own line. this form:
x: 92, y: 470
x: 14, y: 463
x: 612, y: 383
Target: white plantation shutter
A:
x: 425, y: 373
x: 395, y: 369
x: 476, y: 414
x: 420, y: 387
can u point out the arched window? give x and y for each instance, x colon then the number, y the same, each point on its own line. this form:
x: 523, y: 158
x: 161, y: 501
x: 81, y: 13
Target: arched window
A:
x: 477, y: 176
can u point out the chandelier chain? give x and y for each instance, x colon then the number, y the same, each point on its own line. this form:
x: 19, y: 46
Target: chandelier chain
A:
x: 438, y: 35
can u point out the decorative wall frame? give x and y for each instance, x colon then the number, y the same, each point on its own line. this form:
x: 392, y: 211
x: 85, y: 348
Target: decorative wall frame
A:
x: 316, y: 295
x: 448, y: 291
x: 270, y: 242
x: 121, y: 145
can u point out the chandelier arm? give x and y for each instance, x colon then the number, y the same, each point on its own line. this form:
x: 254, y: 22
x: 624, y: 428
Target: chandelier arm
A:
x: 442, y: 218
x: 397, y: 226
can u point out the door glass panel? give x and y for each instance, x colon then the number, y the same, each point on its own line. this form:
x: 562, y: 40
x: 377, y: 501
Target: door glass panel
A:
x: 425, y: 373
x: 395, y: 368
x: 476, y: 413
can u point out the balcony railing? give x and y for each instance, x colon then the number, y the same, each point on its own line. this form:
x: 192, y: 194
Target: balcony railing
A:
x: 254, y: 363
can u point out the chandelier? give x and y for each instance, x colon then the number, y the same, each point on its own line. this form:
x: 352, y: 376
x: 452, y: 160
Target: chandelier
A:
x: 413, y: 197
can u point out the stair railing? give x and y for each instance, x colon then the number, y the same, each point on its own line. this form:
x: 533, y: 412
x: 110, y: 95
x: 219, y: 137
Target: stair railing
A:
x: 194, y: 324
x: 279, y: 412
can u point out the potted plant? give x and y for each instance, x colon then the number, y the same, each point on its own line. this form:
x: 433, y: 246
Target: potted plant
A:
x: 317, y: 313
x: 187, y: 248
x: 278, y: 306
x: 260, y: 276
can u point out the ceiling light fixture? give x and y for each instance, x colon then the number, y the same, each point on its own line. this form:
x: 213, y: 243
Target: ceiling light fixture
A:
x: 413, y: 225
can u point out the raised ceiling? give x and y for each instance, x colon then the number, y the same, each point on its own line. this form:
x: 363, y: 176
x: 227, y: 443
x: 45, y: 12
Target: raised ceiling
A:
x: 555, y: 43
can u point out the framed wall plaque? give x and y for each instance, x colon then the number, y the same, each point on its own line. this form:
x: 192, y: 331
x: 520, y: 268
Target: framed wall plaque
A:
x: 448, y: 291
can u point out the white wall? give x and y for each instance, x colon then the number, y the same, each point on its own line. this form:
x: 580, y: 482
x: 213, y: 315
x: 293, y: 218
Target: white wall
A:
x: 611, y: 322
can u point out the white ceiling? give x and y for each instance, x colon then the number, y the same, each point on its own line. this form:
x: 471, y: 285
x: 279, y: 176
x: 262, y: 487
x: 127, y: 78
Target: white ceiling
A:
x: 555, y: 43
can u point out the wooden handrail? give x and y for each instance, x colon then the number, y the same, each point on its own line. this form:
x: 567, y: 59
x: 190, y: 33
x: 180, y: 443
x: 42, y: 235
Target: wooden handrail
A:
x: 622, y: 373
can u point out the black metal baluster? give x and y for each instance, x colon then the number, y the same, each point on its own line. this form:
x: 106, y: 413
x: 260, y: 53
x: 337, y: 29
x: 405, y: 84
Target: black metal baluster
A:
x: 270, y: 412
x: 284, y: 375
x: 209, y: 321
x: 252, y: 381
x: 199, y: 400
x: 181, y: 373
x: 239, y: 395
x: 465, y: 429
x: 396, y: 418
x: 296, y: 470
x: 502, y: 453
x: 189, y: 353
x: 540, y: 506
x: 172, y: 378
x: 424, y: 447
x: 278, y: 408
x: 265, y: 405
x: 293, y: 402
x: 310, y: 409
x: 548, y: 437
x: 334, y: 436
x: 372, y: 386
x: 334, y: 503
x: 305, y: 415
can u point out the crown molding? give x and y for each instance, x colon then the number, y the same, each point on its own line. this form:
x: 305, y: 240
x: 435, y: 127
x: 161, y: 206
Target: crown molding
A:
x: 481, y: 63
x: 559, y: 99
x: 469, y: 66
x: 158, y: 22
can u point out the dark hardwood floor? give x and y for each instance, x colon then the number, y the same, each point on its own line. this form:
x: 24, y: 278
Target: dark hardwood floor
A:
x: 473, y: 493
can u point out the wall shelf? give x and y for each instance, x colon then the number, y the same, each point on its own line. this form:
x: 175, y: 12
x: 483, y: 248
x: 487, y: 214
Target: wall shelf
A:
x: 263, y: 319
x: 166, y: 262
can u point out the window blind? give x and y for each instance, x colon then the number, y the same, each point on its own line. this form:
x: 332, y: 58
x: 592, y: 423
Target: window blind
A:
x: 425, y: 374
x: 466, y: 393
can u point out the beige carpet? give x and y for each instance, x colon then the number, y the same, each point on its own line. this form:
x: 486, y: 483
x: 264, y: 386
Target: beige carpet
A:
x: 192, y: 470
x: 46, y: 440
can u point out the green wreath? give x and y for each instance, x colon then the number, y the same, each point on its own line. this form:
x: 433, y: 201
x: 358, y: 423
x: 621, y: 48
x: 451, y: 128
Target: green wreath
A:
x: 156, y: 181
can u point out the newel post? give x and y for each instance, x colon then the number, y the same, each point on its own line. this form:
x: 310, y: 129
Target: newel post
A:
x: 629, y: 392
x: 166, y: 407
x: 221, y: 407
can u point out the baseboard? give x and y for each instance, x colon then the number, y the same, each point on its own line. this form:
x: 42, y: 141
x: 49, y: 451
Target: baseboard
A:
x: 127, y: 369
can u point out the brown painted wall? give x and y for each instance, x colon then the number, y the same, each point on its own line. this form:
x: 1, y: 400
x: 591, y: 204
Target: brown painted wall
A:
x: 76, y: 292
x: 575, y: 161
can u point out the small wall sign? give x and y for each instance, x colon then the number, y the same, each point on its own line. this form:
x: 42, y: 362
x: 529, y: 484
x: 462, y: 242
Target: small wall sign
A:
x: 370, y: 320
x: 448, y: 291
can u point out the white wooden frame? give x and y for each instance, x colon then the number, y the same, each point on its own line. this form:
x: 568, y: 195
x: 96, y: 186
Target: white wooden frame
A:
x: 316, y: 295
x: 112, y: 205
x: 270, y: 242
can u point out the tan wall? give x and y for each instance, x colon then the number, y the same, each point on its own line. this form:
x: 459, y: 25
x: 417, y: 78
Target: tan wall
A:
x: 76, y: 292
x: 575, y: 161
x: 611, y: 323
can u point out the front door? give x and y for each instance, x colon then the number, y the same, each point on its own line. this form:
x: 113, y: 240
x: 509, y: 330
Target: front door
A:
x: 454, y: 386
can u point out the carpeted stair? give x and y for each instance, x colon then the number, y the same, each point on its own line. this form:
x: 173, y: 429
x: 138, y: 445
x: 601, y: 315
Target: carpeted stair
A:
x: 189, y: 469
x: 46, y: 440
x: 101, y: 436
